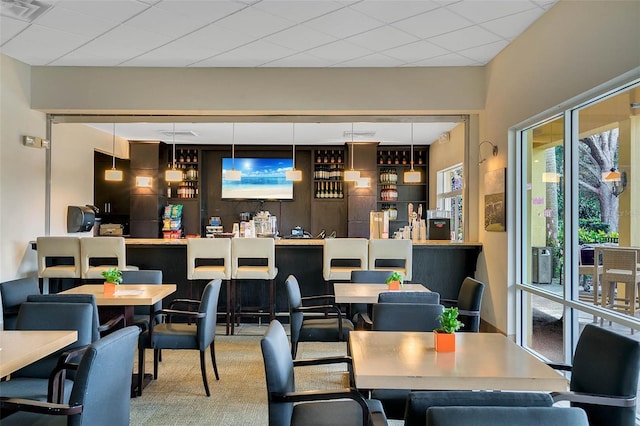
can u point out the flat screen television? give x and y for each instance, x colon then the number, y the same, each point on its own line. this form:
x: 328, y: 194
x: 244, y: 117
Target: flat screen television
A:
x: 262, y: 179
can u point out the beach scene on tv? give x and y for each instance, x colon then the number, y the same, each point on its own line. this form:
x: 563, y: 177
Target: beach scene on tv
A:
x: 261, y: 178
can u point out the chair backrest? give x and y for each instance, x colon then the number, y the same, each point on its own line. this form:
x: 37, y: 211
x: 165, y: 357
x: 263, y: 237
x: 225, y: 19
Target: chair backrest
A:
x: 59, y: 247
x: 295, y: 301
x: 208, y: 248
x: 346, y: 249
x: 72, y: 298
x: 606, y: 363
x: 208, y: 306
x: 470, y: 299
x: 54, y: 316
x: 14, y: 293
x: 425, y: 297
x: 101, y: 247
x: 392, y: 249
x: 506, y: 416
x: 145, y: 276
x: 418, y: 402
x: 278, y: 368
x: 370, y: 277
x: 253, y: 248
x: 103, y: 380
x: 406, y: 316
x: 620, y: 265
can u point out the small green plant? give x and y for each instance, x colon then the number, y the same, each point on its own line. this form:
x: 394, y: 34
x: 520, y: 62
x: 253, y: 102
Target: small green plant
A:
x: 395, y: 276
x: 449, y: 321
x: 112, y: 275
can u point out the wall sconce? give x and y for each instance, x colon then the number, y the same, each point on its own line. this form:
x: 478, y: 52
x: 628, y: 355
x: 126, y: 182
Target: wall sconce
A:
x: 144, y: 181
x: 363, y: 182
x: 294, y: 175
x: 551, y: 177
x: 494, y: 151
x: 616, y: 180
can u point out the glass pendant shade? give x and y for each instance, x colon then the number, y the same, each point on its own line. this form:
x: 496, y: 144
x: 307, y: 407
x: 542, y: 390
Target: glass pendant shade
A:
x: 294, y: 175
x: 113, y: 174
x: 412, y: 176
x: 173, y: 175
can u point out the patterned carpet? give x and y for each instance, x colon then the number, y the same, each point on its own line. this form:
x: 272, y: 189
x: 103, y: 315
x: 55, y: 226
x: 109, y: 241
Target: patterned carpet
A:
x: 239, y: 397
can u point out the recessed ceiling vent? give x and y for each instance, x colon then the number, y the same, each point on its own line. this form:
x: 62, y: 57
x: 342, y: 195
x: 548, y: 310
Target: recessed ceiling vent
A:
x: 359, y: 134
x: 178, y: 133
x: 24, y: 10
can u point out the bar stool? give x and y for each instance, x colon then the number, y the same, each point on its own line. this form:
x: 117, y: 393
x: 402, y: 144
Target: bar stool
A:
x: 103, y: 248
x: 620, y: 265
x: 58, y: 257
x: 201, y: 255
x: 341, y: 256
x: 248, y: 258
x: 392, y: 254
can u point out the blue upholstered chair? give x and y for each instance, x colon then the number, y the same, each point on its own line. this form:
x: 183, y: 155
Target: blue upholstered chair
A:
x: 148, y: 276
x: 506, y: 416
x: 418, y: 402
x: 469, y: 302
x: 367, y: 277
x: 13, y: 293
x: 171, y: 335
x: 604, y: 377
x: 334, y: 328
x: 32, y: 382
x: 318, y: 407
x: 100, y: 394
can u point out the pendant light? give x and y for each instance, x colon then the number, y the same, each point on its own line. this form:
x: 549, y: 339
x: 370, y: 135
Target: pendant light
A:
x: 412, y: 176
x: 294, y: 175
x: 173, y: 175
x: 351, y: 175
x: 113, y: 174
x: 233, y: 174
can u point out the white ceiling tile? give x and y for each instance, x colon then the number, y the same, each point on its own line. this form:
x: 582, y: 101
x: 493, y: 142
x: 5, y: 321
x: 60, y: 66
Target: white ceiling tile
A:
x: 300, y: 60
x: 436, y: 22
x: 83, y: 58
x: 255, y: 22
x: 298, y: 11
x: 160, y: 21
x: 464, y: 38
x: 416, y: 51
x: 300, y: 38
x: 375, y: 60
x: 391, y: 11
x: 9, y: 28
x: 43, y: 43
x: 252, y: 55
x: 450, y: 60
x: 339, y: 51
x: 74, y: 22
x: 199, y: 11
x: 382, y: 38
x: 216, y: 38
x: 175, y: 54
x: 108, y: 10
x: 511, y: 26
x: 485, y: 10
x: 483, y: 54
x: 130, y: 37
x: 343, y: 23
x: 108, y: 51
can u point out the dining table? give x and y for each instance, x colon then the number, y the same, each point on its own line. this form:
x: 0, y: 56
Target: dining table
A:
x: 19, y: 348
x: 481, y: 361
x: 367, y: 292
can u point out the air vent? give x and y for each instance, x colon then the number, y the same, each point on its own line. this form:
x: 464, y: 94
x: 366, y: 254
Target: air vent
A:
x: 359, y: 134
x: 24, y: 10
x: 178, y: 133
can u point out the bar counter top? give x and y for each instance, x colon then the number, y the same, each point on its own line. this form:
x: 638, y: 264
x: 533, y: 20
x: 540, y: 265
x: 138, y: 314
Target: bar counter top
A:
x: 288, y: 242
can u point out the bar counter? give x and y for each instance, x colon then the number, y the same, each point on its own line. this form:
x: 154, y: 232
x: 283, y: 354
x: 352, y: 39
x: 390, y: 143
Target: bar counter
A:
x: 440, y: 265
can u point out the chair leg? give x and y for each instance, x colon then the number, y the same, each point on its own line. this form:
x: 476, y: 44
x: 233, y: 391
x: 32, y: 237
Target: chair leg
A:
x: 204, y: 374
x: 156, y: 358
x: 294, y: 349
x: 228, y: 313
x: 140, y: 368
x: 213, y: 359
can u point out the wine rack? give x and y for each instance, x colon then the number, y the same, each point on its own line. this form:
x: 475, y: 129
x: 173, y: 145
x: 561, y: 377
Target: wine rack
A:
x: 328, y: 174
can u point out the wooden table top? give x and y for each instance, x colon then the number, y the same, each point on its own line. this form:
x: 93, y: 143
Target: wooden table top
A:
x: 482, y: 361
x: 21, y: 348
x: 367, y: 293
x: 126, y: 294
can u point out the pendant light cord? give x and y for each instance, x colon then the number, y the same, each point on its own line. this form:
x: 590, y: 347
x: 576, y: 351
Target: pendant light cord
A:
x: 174, y: 146
x: 113, y: 148
x: 294, y: 145
x: 233, y: 141
x: 411, y: 146
x: 352, y: 148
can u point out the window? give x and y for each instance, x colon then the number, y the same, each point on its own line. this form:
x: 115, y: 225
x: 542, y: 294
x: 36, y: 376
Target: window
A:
x: 449, y: 197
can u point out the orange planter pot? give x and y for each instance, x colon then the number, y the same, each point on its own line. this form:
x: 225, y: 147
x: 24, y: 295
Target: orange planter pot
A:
x: 444, y: 342
x: 394, y: 285
x: 109, y: 288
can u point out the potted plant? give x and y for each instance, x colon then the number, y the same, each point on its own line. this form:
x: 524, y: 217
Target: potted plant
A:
x: 112, y: 278
x: 395, y: 281
x: 444, y: 336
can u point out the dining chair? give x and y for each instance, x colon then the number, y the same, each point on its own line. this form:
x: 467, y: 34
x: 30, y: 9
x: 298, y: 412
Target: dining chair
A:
x: 143, y: 276
x: 386, y: 314
x: 58, y: 258
x: 469, y: 303
x: 620, y: 265
x: 391, y: 252
x: 14, y: 293
x: 172, y: 335
x: 366, y: 277
x: 333, y: 328
x: 100, y: 393
x: 604, y: 377
x: 288, y: 407
x: 418, y: 402
x: 33, y: 381
x: 102, y: 248
x: 506, y: 416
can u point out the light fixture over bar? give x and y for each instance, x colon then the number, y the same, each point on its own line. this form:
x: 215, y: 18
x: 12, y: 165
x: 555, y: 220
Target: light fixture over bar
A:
x: 113, y: 174
x: 294, y: 175
x: 233, y: 174
x: 351, y: 175
x: 173, y: 174
x: 412, y: 176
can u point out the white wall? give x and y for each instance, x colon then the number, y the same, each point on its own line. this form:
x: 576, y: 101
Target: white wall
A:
x: 22, y: 172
